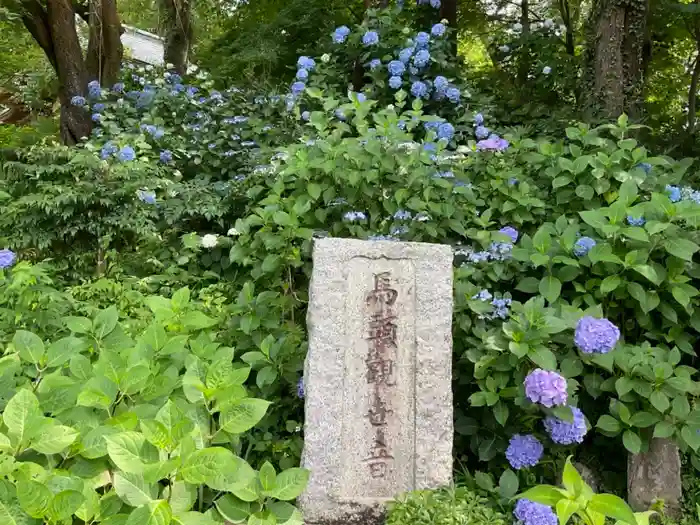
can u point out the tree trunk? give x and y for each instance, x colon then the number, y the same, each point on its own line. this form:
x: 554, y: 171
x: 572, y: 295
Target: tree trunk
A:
x: 448, y: 11
x: 178, y: 35
x: 524, y: 66
x: 613, y: 77
x: 693, y: 95
x: 105, y: 50
x: 70, y: 69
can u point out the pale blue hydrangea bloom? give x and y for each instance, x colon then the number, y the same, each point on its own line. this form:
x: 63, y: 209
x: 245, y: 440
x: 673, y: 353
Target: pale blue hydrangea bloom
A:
x: 583, y: 246
x: 7, y: 258
x: 567, y: 432
x: 438, y: 30
x: 341, y: 34
x: 370, y: 38
x: 396, y: 68
x: 395, y: 82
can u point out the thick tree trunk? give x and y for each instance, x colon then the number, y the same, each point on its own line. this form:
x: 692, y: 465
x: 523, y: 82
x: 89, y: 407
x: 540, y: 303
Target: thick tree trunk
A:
x: 524, y: 66
x: 693, y: 95
x: 178, y: 36
x: 448, y: 11
x: 70, y: 69
x: 105, y: 50
x: 613, y: 81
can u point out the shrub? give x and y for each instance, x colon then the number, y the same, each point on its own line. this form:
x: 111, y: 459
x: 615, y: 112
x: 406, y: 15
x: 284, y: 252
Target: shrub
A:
x: 456, y: 506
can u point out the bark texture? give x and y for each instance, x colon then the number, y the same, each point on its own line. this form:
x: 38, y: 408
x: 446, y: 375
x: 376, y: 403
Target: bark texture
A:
x: 105, y: 50
x: 178, y: 33
x: 613, y: 78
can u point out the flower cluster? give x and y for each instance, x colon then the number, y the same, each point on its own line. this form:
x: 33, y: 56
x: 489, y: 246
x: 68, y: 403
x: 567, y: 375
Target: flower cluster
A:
x: 149, y: 197
x: 210, y: 240
x: 487, y: 141
x: 546, y: 388
x: 596, y: 336
x: 583, y: 246
x: 567, y: 432
x: 501, y: 305
x: 524, y: 451
x: 340, y: 34
x: 7, y: 258
x: 530, y: 513
x: 354, y: 216
x: 636, y: 221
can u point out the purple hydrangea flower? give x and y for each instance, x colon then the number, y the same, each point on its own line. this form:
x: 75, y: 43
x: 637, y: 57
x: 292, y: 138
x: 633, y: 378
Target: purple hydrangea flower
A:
x: 341, y: 34
x: 478, y: 119
x: 567, y: 432
x: 596, y: 336
x: 438, y: 30
x: 583, y: 246
x: 524, y: 451
x: 7, y: 258
x: 370, y: 38
x: 493, y: 143
x: 166, y: 156
x: 546, y: 388
x: 530, y: 513
x: 510, y: 232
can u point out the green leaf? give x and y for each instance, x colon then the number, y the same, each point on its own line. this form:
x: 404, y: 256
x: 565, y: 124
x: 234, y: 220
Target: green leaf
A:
x: 11, y: 513
x: 610, y: 283
x: 565, y: 509
x: 181, y: 496
x: 232, y: 508
x: 22, y: 414
x: 544, y: 494
x: 65, y: 504
x: 152, y: 513
x: 508, y: 484
x: 197, y: 320
x: 243, y: 415
x: 176, y: 423
x: 286, y: 513
x: 247, y: 492
x: 314, y: 190
x: 612, y: 507
x: 595, y: 218
x: 542, y: 240
x: 290, y: 484
x: 79, y: 325
x: 29, y: 346
x: 262, y: 518
x: 133, y: 489
x: 681, y: 248
x: 543, y: 357
x: 664, y: 429
x: 125, y: 450
x: 643, y: 419
x: 550, y: 288
x: 500, y: 412
x: 267, y: 476
x: 659, y: 401
x: 105, y: 322
x: 54, y: 439
x: 632, y: 441
x: 609, y: 424
x: 572, y: 480
x: 649, y: 272
x: 34, y: 498
x: 61, y: 351
x: 206, y: 463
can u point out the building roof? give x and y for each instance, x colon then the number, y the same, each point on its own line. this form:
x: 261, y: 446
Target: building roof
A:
x: 142, y: 46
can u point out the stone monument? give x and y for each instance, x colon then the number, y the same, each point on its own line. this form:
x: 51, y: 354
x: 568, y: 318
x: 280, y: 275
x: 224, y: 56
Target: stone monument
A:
x: 655, y: 475
x: 378, y: 377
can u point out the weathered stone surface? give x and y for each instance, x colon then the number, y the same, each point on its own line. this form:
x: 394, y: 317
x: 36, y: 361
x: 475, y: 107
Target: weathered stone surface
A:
x: 655, y: 475
x: 377, y: 377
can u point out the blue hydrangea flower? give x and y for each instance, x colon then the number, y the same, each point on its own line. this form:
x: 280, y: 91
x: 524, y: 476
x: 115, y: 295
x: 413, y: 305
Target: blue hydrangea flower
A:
x: 567, y: 432
x: 298, y: 87
x: 524, y: 451
x: 530, y: 513
x: 341, y: 34
x: 149, y: 197
x: 597, y: 336
x: 445, y: 131
x: 191, y: 91
x: 307, y: 63
x: 546, y: 388
x: 500, y: 251
x: 477, y: 257
x: 482, y: 132
x: 96, y: 117
x: 444, y: 175
x: 340, y: 115
x: 645, y: 166
x: 583, y: 246
x: 405, y: 55
x: 108, y: 150
x: 422, y: 58
x: 512, y: 181
x: 501, y: 308
x: 674, y: 193
x: 78, y: 101
x: 353, y: 216
x: 402, y: 215
x: 441, y: 84
x: 419, y: 89
x: 435, y: 4
x: 126, y: 154
x: 396, y: 68
x: 478, y: 119
x: 166, y: 156
x: 306, y: 116
x: 99, y: 107
x: 422, y: 39
x: 118, y: 87
x: 510, y: 232
x: 438, y: 30
x: 361, y: 97
x: 370, y: 38
x: 302, y: 74
x: 453, y: 95
x: 300, y: 388
x: 636, y: 221
x: 401, y: 124
x: 374, y: 64
x: 174, y: 78
x: 483, y: 295
x: 7, y: 258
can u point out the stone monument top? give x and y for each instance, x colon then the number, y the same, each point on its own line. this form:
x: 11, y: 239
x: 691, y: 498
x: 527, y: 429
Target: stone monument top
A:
x: 377, y: 377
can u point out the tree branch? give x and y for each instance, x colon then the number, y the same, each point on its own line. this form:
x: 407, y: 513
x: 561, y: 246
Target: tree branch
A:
x: 36, y: 21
